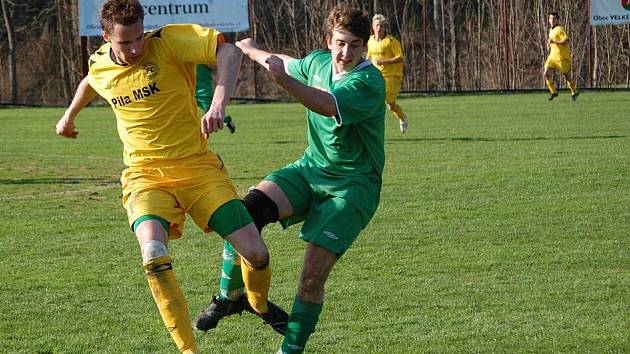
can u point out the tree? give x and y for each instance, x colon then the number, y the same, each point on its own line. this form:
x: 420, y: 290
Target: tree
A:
x: 7, y: 14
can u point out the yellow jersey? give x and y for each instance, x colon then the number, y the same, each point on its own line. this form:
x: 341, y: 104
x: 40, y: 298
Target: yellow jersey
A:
x: 560, y: 51
x: 154, y: 99
x: 387, y: 48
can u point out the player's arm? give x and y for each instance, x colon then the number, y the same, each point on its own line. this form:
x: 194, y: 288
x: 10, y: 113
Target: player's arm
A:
x: 560, y: 41
x: 314, y: 99
x: 394, y: 60
x: 560, y: 38
x: 253, y: 52
x: 84, y: 95
x: 228, y: 67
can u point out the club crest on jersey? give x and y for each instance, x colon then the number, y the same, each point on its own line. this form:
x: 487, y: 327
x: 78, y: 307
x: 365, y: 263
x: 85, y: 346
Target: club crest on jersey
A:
x: 625, y: 4
x: 151, y: 70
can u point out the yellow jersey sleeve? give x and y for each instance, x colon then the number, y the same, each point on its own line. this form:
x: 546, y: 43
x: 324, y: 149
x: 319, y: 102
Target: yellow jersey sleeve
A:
x: 191, y: 43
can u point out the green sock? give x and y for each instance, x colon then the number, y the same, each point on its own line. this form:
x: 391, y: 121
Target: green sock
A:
x: 304, y: 317
x: 231, y: 283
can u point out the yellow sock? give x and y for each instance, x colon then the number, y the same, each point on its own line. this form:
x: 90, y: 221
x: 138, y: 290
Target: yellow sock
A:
x: 170, y: 302
x: 257, y: 282
x: 572, y: 87
x: 399, y: 112
x: 551, y: 86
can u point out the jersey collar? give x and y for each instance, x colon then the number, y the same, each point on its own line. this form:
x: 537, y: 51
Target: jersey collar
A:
x: 341, y: 75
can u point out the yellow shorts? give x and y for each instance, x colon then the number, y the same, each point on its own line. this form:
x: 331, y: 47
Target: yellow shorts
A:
x: 562, y: 65
x: 197, y: 186
x: 392, y: 88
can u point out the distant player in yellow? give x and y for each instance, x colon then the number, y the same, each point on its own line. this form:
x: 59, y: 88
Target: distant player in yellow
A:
x: 386, y: 54
x: 149, y: 81
x: 559, y: 57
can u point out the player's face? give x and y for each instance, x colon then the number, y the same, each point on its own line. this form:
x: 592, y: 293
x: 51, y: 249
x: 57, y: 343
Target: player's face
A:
x: 346, y: 49
x: 553, y: 20
x: 379, y: 29
x: 126, y: 42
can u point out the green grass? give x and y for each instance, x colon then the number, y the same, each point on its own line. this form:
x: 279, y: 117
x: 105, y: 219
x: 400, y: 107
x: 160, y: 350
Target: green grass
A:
x: 504, y: 226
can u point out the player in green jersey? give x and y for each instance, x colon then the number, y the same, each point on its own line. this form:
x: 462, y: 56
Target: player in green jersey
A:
x: 334, y: 187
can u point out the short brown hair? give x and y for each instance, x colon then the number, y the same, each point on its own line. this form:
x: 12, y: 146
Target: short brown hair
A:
x: 122, y: 12
x: 351, y: 19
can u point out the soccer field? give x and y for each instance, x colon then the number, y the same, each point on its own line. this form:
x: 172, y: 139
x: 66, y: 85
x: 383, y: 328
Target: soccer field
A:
x: 504, y: 226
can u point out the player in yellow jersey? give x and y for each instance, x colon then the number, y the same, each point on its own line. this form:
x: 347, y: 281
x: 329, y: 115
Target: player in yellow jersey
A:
x: 559, y: 57
x: 386, y: 54
x: 149, y: 81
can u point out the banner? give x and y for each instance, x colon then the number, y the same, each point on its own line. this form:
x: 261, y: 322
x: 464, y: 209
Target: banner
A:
x: 224, y: 15
x: 610, y: 12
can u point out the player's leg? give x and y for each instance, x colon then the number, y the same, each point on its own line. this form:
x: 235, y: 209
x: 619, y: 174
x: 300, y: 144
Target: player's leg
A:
x: 232, y: 221
x: 330, y: 228
x: 392, y: 88
x: 231, y: 285
x: 308, y: 303
x: 152, y: 234
x: 566, y: 72
x: 153, y: 215
x: 548, y: 82
x: 231, y: 292
x: 263, y: 210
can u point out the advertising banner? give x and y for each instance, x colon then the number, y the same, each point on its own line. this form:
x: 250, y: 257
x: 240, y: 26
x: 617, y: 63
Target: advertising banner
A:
x: 610, y: 12
x: 224, y: 15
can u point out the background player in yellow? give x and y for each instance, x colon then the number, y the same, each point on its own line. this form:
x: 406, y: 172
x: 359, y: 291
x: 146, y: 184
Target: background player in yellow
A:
x: 559, y: 57
x: 149, y: 81
x: 386, y: 54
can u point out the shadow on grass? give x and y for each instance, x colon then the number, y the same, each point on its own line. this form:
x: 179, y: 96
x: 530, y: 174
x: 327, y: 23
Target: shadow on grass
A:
x: 473, y: 139
x: 57, y: 180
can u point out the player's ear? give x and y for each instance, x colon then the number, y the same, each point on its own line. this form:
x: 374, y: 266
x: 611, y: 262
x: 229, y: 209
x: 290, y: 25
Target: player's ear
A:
x: 105, y: 36
x: 329, y: 41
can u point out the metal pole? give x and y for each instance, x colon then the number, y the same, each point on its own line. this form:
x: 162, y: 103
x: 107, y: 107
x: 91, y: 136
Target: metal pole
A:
x: 424, y: 45
x: 84, y: 55
x: 252, y: 32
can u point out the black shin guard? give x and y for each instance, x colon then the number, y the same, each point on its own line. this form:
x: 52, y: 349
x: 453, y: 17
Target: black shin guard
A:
x: 261, y: 208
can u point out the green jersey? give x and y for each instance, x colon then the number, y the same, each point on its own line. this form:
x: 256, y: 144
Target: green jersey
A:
x: 203, y: 86
x: 346, y: 153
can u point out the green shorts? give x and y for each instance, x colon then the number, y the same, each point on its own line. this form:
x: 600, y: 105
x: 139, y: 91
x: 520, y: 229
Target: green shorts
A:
x: 227, y: 219
x: 329, y: 221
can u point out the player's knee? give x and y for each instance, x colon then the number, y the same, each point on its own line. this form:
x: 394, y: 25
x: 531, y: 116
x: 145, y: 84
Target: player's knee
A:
x: 262, y: 209
x: 153, y: 249
x: 391, y: 106
x: 258, y: 259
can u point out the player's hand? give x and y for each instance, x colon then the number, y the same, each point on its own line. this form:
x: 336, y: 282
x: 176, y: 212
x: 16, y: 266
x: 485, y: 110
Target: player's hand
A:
x: 212, y: 121
x: 65, y: 127
x: 276, y: 68
x: 246, y: 44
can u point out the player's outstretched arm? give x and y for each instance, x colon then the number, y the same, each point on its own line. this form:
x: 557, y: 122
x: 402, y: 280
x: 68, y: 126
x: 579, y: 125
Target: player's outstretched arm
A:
x: 228, y: 67
x: 253, y: 52
x: 84, y: 95
x: 314, y: 99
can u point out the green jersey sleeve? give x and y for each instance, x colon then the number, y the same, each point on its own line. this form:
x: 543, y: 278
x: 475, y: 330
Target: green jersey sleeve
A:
x: 301, y: 69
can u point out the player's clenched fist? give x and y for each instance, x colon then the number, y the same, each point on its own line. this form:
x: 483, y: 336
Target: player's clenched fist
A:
x: 65, y: 127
